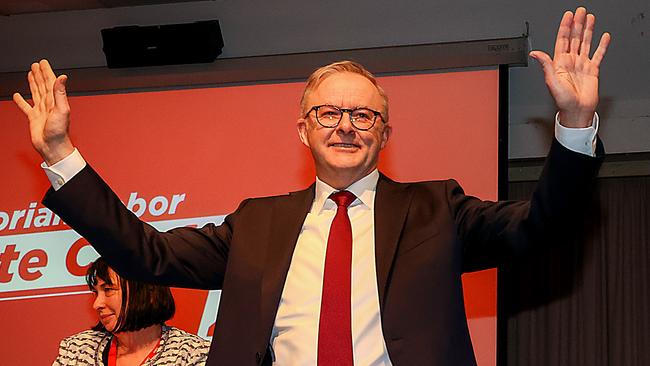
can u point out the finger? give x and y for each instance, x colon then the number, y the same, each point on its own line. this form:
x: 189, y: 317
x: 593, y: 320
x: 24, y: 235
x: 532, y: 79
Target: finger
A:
x: 577, y: 29
x: 49, y: 77
x: 33, y: 88
x: 585, y: 47
x: 601, y: 50
x: 40, y: 82
x: 60, y: 94
x: 22, y: 103
x: 563, y: 33
x: 545, y: 62
x: 48, y: 74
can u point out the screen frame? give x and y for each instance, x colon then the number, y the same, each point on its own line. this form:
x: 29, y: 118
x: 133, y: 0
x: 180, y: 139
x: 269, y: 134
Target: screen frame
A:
x: 506, y: 52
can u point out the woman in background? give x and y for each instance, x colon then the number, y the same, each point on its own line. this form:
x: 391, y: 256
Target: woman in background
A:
x: 131, y: 328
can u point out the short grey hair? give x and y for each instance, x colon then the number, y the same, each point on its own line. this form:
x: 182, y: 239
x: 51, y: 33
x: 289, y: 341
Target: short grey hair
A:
x: 326, y: 71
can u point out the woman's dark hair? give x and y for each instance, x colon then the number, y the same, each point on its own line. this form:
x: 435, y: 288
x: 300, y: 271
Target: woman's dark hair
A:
x: 143, y: 304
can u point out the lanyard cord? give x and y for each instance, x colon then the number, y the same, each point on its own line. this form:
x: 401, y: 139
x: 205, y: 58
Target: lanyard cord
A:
x: 112, y: 353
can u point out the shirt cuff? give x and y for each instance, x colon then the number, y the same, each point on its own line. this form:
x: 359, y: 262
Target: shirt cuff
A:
x: 580, y: 140
x: 64, y: 170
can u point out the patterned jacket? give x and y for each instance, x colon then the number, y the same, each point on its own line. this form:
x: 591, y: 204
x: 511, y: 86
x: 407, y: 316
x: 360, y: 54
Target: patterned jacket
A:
x: 177, y: 348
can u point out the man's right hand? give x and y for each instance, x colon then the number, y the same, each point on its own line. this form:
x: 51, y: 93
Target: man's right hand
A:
x: 49, y: 118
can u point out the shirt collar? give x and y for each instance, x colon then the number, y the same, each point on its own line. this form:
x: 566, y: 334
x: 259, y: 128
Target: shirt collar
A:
x: 365, y: 189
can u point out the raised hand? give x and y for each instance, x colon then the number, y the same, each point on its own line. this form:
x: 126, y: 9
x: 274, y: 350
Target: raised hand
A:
x: 49, y: 117
x: 572, y: 76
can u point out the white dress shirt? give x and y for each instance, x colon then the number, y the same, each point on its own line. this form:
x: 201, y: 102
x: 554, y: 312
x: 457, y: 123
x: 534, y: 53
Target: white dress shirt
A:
x: 295, y: 333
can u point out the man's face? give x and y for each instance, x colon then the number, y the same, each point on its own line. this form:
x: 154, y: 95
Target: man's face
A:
x: 344, y: 154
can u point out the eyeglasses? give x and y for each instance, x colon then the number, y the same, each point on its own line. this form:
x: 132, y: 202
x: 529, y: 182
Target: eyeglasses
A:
x: 330, y: 116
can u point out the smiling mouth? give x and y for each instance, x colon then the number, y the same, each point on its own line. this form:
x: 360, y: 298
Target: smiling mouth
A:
x: 344, y: 145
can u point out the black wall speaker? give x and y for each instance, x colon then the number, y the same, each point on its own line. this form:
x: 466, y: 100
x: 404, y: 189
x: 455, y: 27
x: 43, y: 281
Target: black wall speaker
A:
x: 172, y: 44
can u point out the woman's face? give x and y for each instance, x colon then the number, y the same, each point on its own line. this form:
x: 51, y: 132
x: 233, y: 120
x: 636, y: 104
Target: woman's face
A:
x: 108, y: 301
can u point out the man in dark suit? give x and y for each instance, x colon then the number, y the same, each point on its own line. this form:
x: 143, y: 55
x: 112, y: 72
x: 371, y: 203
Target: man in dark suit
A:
x: 369, y: 276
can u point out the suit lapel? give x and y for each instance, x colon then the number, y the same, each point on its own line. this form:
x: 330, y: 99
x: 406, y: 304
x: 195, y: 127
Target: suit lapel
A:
x: 288, y: 217
x: 391, y: 206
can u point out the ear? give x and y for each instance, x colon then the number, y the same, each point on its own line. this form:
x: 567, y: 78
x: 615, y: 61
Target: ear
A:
x: 301, y: 125
x: 385, y: 134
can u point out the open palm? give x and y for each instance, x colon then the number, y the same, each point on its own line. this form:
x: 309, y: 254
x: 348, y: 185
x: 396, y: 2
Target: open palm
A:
x: 572, y: 76
x: 49, y: 117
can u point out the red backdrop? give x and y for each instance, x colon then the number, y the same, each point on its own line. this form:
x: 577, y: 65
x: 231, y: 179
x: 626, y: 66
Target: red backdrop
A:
x: 218, y: 146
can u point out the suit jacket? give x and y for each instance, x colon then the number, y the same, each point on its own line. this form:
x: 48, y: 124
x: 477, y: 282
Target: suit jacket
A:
x: 427, y: 234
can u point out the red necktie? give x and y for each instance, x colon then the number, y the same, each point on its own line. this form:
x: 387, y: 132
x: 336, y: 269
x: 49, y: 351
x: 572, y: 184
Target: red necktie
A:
x: 335, y: 330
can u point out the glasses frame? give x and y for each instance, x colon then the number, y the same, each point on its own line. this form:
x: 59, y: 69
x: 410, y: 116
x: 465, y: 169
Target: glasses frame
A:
x: 343, y: 111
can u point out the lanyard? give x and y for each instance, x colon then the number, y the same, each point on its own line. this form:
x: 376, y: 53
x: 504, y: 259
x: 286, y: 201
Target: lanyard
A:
x: 112, y: 353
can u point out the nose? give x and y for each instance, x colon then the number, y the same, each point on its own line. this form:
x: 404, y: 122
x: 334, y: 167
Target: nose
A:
x: 98, y: 303
x: 345, y: 125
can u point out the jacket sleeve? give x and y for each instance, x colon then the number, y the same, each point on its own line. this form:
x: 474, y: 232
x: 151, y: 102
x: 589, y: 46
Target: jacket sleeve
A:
x: 64, y: 357
x: 182, y: 257
x: 494, y: 231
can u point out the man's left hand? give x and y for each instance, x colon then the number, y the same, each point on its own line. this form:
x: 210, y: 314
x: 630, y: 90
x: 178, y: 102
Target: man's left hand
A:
x: 571, y: 76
